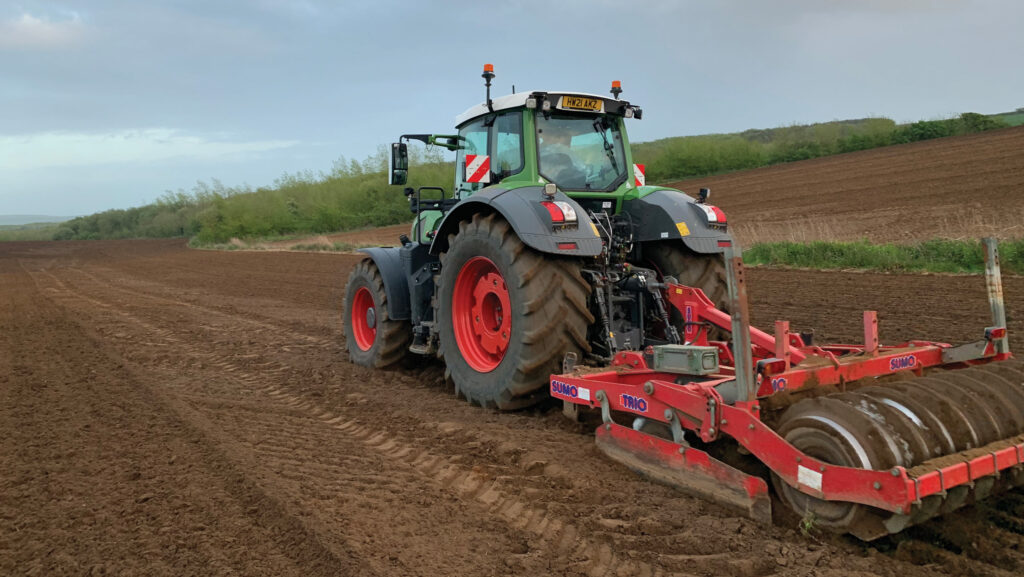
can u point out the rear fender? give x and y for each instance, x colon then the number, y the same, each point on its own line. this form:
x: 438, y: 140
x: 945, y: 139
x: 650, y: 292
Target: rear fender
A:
x: 668, y: 214
x: 529, y: 219
x: 396, y: 285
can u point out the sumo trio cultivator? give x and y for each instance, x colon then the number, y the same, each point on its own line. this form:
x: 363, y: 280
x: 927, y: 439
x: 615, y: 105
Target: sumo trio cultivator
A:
x: 871, y: 440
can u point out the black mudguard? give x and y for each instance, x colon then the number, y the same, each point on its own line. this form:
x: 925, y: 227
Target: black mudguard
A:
x: 668, y: 214
x: 396, y: 285
x: 522, y: 209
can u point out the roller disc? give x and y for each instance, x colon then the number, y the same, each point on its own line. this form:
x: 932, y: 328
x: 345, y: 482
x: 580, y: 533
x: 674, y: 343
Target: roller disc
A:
x: 907, y: 424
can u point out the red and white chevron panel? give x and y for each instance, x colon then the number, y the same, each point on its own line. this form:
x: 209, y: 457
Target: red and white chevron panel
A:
x: 638, y: 175
x: 478, y: 168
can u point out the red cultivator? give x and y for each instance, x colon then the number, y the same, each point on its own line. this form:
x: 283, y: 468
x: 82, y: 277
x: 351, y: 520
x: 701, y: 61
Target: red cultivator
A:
x: 866, y: 439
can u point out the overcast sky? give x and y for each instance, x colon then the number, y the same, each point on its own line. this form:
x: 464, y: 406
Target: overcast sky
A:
x: 107, y: 104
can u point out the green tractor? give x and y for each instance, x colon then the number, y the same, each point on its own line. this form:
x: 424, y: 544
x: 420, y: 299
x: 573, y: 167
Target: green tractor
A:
x: 549, y: 245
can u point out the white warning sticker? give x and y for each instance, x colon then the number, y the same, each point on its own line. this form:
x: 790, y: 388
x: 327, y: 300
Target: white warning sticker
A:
x: 583, y: 393
x: 807, y: 477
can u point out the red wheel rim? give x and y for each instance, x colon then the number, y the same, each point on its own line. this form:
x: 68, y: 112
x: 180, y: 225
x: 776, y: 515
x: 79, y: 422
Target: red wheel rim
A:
x: 364, y: 319
x: 481, y: 314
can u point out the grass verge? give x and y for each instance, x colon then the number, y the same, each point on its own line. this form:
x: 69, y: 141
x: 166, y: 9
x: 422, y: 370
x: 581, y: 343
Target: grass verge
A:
x: 939, y: 255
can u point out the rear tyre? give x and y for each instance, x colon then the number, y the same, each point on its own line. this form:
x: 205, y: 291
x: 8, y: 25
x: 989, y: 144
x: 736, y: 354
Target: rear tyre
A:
x: 703, y: 271
x: 506, y: 314
x: 373, y: 339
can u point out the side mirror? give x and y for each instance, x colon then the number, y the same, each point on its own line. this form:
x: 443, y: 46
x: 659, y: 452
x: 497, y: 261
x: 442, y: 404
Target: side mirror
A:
x: 399, y: 173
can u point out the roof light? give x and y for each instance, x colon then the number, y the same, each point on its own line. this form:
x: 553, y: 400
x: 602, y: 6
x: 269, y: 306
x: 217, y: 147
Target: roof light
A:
x: 531, y: 102
x: 487, y: 76
x: 616, y: 89
x: 628, y: 113
x: 546, y: 105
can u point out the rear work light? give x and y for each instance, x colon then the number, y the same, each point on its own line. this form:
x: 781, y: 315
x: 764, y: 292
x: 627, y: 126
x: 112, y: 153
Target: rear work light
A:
x: 561, y: 212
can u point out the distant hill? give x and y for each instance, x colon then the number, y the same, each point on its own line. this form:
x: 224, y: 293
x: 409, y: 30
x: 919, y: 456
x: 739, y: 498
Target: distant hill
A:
x: 19, y: 219
x: 1015, y: 118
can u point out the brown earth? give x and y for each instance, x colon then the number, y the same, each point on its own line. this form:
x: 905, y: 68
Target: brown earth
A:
x: 960, y: 187
x: 173, y: 412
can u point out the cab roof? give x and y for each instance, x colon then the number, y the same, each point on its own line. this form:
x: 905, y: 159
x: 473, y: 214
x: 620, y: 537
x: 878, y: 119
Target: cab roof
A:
x: 519, y: 99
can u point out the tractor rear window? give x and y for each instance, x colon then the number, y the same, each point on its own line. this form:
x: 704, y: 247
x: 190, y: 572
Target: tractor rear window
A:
x: 581, y: 152
x: 508, y: 144
x: 473, y: 138
x: 499, y: 137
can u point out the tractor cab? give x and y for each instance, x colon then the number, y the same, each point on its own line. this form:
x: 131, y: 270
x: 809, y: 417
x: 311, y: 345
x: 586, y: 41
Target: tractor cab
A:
x: 576, y: 141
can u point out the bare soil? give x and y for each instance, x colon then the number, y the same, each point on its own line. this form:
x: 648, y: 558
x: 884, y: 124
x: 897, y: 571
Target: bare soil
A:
x: 959, y: 187
x: 165, y: 411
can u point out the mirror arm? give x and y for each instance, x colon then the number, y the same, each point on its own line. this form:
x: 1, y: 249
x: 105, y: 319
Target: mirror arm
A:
x: 424, y: 138
x: 448, y: 141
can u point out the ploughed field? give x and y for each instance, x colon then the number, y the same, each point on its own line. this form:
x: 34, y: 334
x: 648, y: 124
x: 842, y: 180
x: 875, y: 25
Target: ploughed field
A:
x: 959, y: 187
x: 165, y: 411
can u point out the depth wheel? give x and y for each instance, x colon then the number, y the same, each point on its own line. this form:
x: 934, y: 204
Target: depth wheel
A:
x: 371, y: 337
x: 506, y: 314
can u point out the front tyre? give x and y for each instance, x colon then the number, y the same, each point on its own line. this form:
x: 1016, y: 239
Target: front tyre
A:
x: 506, y: 314
x: 372, y: 338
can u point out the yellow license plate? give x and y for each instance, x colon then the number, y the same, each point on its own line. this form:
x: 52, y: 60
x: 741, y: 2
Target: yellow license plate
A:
x: 580, y: 103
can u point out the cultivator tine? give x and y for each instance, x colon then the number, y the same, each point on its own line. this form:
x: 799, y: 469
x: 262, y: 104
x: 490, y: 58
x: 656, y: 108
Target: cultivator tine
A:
x: 689, y: 470
x: 737, y: 286
x: 994, y: 283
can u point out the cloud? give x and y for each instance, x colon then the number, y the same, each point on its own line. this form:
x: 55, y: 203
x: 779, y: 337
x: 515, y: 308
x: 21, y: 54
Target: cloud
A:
x: 66, y: 149
x: 28, y: 31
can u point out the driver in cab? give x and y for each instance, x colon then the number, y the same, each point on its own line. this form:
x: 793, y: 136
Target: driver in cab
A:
x: 558, y: 162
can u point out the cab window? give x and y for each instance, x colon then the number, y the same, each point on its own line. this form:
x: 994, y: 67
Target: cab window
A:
x: 580, y: 152
x: 508, y: 144
x: 473, y: 138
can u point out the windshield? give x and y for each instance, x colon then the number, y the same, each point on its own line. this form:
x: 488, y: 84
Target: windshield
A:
x: 580, y: 152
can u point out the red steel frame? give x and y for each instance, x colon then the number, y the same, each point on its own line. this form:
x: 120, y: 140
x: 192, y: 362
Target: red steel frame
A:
x: 783, y: 362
